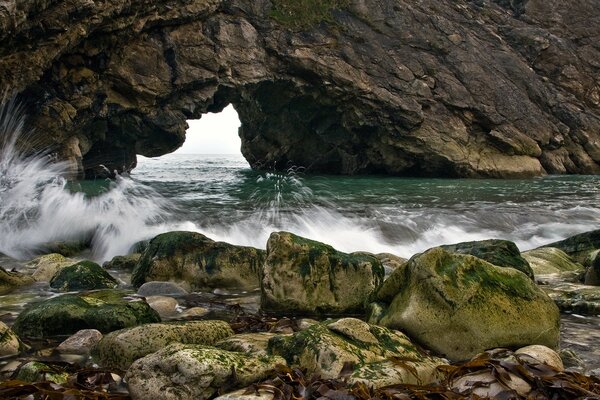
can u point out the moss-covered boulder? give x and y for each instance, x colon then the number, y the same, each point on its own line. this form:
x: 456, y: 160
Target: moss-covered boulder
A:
x: 10, y: 344
x: 46, y: 266
x: 325, y: 348
x: 10, y: 280
x: 302, y: 276
x: 123, y: 263
x: 550, y: 260
x: 459, y: 305
x: 85, y: 275
x: 67, y: 249
x: 194, y: 372
x: 578, y: 247
x: 502, y: 253
x: 121, y: 348
x: 35, y: 371
x: 200, y: 262
x: 104, y: 310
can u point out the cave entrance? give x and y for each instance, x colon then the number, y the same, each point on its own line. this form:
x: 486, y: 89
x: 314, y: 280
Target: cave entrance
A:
x: 214, y: 133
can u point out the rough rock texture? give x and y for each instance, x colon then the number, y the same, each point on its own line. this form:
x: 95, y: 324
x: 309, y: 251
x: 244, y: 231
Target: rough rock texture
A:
x: 447, y: 88
x: 10, y: 344
x: 121, y: 348
x: 459, y: 305
x: 592, y: 275
x: 197, y: 261
x: 302, y: 276
x: 39, y: 372
x: 575, y: 298
x: 80, y: 343
x: 550, y: 260
x: 324, y: 348
x: 10, y: 280
x: 579, y: 246
x: 502, y: 253
x: 85, y: 275
x: 105, y: 311
x: 250, y: 343
x: 123, y: 263
x: 193, y: 372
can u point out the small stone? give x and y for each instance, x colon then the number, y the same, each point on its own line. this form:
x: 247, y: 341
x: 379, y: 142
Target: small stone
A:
x: 163, y: 305
x: 543, y: 355
x: 161, y: 289
x: 38, y: 372
x: 194, y: 312
x: 571, y: 359
x: 81, y: 342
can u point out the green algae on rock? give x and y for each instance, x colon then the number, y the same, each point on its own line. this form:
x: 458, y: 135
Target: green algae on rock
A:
x: 85, y: 275
x: 104, y: 310
x: 35, y: 371
x: 325, y: 348
x: 302, y: 276
x: 121, y: 348
x: 194, y: 372
x: 579, y: 246
x: 459, y: 305
x: 10, y: 280
x: 550, y: 260
x: 200, y: 262
x: 502, y: 253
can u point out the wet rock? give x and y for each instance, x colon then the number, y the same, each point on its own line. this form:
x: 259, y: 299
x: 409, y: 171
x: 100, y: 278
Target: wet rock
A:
x: 305, y: 323
x: 389, y: 261
x: 46, y: 266
x: 193, y: 313
x: 501, y: 253
x: 550, y: 260
x: 576, y: 298
x: 85, y: 275
x: 571, y: 360
x: 485, y: 385
x: 578, y: 247
x: 81, y: 342
x: 10, y: 280
x: 324, y: 348
x: 10, y: 345
x: 200, y: 262
x: 165, y: 306
x: 104, y: 310
x: 302, y: 276
x: 592, y: 274
x: 121, y: 348
x: 38, y: 372
x: 459, y: 305
x: 66, y: 249
x: 123, y: 263
x: 251, y: 343
x: 542, y: 355
x: 193, y: 372
x: 161, y: 289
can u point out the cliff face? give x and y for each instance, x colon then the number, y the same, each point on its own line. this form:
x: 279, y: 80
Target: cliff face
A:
x: 503, y: 88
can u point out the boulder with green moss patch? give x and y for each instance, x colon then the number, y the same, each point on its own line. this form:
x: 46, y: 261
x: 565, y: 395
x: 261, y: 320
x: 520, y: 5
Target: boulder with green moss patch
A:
x: 459, y: 305
x: 104, y: 310
x: 10, y: 344
x: 194, y: 372
x: 85, y: 275
x: 325, y: 348
x: 550, y: 260
x: 578, y: 247
x: 123, y: 263
x: 10, y: 280
x: 35, y: 371
x: 302, y: 276
x: 199, y: 262
x: 592, y: 274
x: 502, y: 253
x: 121, y: 348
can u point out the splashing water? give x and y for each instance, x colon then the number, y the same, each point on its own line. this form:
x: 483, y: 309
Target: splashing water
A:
x: 37, y: 208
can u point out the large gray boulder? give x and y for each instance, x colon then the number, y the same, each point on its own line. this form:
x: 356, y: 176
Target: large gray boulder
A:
x: 194, y: 372
x: 198, y: 262
x: 459, y: 305
x: 302, y: 276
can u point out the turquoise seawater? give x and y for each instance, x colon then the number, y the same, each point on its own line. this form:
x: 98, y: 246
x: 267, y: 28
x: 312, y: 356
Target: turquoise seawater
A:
x: 222, y: 197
